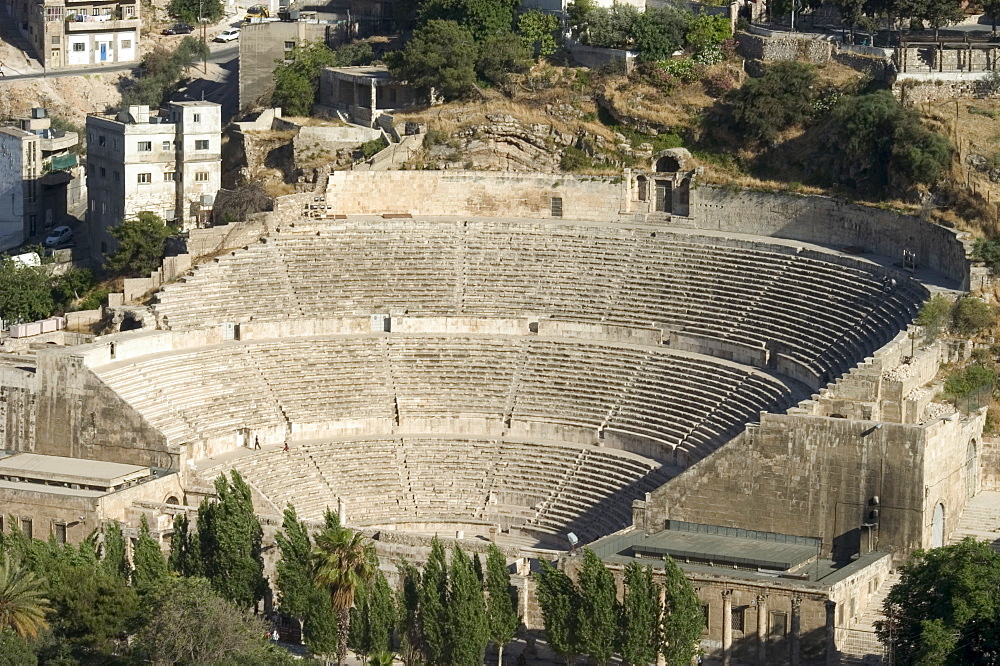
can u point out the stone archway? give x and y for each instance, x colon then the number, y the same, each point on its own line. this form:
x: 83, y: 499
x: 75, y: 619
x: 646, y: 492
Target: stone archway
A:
x: 668, y: 164
x: 937, y: 526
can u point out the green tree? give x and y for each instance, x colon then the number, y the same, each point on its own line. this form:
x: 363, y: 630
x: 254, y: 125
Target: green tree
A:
x: 411, y: 635
x: 24, y: 292
x: 15, y: 651
x: 539, y: 31
x: 969, y: 380
x: 142, y: 244
x: 992, y: 9
x: 434, y: 605
x: 640, y: 617
x: 229, y: 538
x: 973, y: 315
x: 781, y: 98
x: 296, y: 78
x: 988, y: 251
x: 617, y: 27
x: 502, y: 56
x: 598, y: 608
x: 483, y: 18
x: 115, y: 559
x: 682, y: 620
x: 188, y: 623
x: 190, y: 11
x: 161, y: 71
x: 707, y: 30
x: 150, y: 566
x: 943, y: 610
x: 467, y: 625
x: 70, y: 287
x: 295, y: 583
x: 185, y: 555
x: 560, y: 602
x: 344, y: 562
x: 442, y: 57
x: 22, y: 598
x: 935, y: 314
x: 372, y: 618
x: 939, y: 13
x: 501, y: 614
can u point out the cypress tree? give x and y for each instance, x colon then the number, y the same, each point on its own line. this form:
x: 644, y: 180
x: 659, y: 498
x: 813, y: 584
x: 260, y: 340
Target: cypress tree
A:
x: 372, y: 618
x: 295, y: 584
x: 434, y: 605
x: 150, y: 567
x: 599, y: 612
x: 115, y: 559
x: 467, y: 626
x: 560, y: 602
x: 640, y: 617
x: 501, y: 613
x: 411, y: 633
x: 682, y: 619
x: 229, y: 537
x: 185, y: 554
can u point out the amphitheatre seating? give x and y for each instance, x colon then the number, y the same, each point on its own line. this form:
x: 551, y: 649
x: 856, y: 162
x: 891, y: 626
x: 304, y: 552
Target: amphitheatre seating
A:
x: 677, y: 400
x: 827, y: 316
x: 545, y: 487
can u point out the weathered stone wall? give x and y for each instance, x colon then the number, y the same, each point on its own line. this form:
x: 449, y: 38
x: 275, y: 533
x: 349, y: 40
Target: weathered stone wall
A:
x: 807, y: 476
x: 595, y: 57
x: 784, y: 47
x: 911, y: 90
x: 45, y: 510
x: 879, y: 68
x: 473, y: 193
x: 946, y: 474
x: 989, y: 463
x: 829, y: 222
x: 17, y: 408
x: 78, y: 416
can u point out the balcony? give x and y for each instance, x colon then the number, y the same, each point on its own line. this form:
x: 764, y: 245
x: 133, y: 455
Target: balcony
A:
x: 77, y: 23
x: 58, y: 141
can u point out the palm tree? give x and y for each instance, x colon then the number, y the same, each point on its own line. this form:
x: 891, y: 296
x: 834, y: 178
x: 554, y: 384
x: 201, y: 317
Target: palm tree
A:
x: 343, y: 562
x: 22, y: 606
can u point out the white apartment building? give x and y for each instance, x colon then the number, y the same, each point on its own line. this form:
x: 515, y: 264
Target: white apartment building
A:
x: 167, y: 164
x: 20, y: 167
x: 68, y: 33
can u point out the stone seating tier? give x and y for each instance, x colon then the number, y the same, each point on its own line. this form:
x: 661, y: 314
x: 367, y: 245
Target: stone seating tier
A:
x: 546, y: 487
x: 826, y: 316
x: 669, y: 399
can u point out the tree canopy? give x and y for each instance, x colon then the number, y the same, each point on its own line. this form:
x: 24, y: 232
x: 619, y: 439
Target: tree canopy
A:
x: 190, y: 11
x: 441, y: 56
x: 24, y: 292
x: 142, y: 243
x: 943, y: 610
x: 482, y: 18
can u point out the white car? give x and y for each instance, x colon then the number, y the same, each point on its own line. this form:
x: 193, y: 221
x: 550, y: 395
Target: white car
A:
x: 228, y: 35
x: 59, y: 236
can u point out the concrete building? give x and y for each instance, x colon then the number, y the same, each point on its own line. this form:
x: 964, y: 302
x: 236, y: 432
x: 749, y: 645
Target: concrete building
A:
x: 364, y: 93
x: 263, y: 44
x: 20, y: 167
x: 139, y: 161
x: 68, y: 33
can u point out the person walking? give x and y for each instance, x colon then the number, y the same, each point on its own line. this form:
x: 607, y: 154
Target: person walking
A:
x: 256, y: 442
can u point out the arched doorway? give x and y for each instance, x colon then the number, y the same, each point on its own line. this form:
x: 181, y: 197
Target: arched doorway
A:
x: 668, y: 164
x: 971, y: 471
x: 643, y: 186
x: 172, y: 500
x: 937, y: 527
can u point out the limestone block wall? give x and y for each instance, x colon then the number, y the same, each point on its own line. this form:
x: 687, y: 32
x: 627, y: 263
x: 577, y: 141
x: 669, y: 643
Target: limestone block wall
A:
x: 80, y: 417
x: 474, y: 193
x: 807, y: 476
x: 784, y: 47
x: 949, y: 477
x: 17, y: 409
x: 45, y: 510
x: 989, y: 463
x: 829, y: 222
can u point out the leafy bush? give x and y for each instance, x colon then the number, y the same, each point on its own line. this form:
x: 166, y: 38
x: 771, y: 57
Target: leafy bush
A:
x: 988, y: 251
x: 441, y: 55
x: 660, y: 32
x: 971, y: 379
x: 705, y: 31
x: 161, y: 70
x: 434, y: 138
x: 935, y: 314
x: 482, y: 18
x: 879, y: 147
x: 296, y: 79
x: 685, y: 70
x: 141, y: 245
x: 354, y: 55
x: 781, y: 98
x: 501, y: 57
x: 370, y: 148
x: 539, y: 32
x: 719, y: 83
x: 575, y: 159
x: 972, y: 315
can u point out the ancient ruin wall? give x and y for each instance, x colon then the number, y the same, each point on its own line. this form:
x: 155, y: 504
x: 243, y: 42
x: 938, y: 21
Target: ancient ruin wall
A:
x: 17, y: 409
x: 80, y: 417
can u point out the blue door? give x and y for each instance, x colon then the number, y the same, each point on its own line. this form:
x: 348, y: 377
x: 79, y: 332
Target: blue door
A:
x: 104, y: 52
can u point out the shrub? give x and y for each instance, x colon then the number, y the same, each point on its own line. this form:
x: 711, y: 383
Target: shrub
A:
x: 934, y: 314
x: 781, y: 98
x: 988, y: 251
x: 719, y: 83
x: 659, y: 32
x: 370, y: 148
x: 685, y: 70
x: 972, y: 315
x: 971, y: 379
x: 706, y: 31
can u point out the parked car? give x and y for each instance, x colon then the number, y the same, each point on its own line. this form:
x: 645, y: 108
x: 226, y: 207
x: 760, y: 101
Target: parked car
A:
x: 228, y: 35
x: 179, y: 29
x: 59, y: 236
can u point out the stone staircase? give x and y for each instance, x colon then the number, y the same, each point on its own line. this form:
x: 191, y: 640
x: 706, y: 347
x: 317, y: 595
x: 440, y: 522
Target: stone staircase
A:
x: 981, y: 519
x: 859, y: 644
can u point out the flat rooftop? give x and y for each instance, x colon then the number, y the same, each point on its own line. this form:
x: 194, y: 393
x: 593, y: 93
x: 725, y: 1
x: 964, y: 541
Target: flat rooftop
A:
x: 58, y: 469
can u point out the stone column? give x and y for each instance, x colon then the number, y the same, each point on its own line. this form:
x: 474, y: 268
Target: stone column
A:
x: 660, y: 661
x: 795, y: 629
x: 762, y: 629
x: 831, y: 633
x: 727, y: 627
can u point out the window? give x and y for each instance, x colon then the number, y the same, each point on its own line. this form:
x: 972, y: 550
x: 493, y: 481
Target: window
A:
x: 145, y: 146
x: 289, y: 46
x: 201, y: 144
x: 126, y: 43
x: 197, y: 117
x: 736, y: 619
x: 145, y: 178
x: 101, y: 139
x: 118, y: 177
x: 128, y: 11
x: 166, y: 145
x: 201, y: 177
x: 26, y: 528
x: 32, y: 225
x: 779, y: 625
x: 556, y: 206
x: 705, y: 616
x: 56, y: 40
x: 60, y: 532
x: 104, y: 172
x: 169, y: 176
